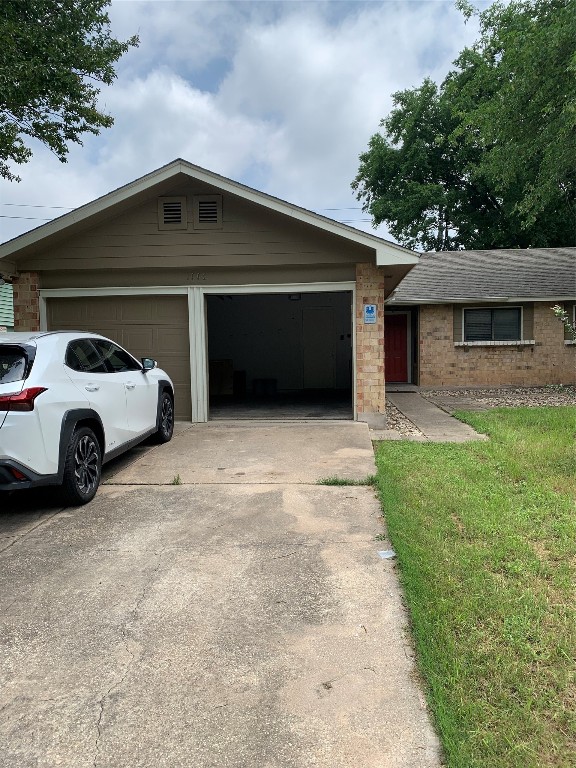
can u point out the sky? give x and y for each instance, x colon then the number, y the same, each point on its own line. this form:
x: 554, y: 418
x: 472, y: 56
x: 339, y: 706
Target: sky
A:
x: 281, y: 96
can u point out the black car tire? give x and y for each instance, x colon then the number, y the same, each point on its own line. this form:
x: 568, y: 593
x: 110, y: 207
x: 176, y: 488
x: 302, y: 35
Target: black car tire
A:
x: 82, y: 468
x: 165, y: 418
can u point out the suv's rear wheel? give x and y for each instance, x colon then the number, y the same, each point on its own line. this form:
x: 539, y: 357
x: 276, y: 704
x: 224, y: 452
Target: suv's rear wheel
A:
x: 82, y: 468
x: 166, y: 420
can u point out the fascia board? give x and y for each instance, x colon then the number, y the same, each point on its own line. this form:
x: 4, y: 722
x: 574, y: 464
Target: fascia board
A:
x: 386, y: 253
x: 482, y: 299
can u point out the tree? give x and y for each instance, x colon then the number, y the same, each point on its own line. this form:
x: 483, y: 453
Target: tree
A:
x: 423, y: 179
x: 53, y: 56
x: 495, y: 163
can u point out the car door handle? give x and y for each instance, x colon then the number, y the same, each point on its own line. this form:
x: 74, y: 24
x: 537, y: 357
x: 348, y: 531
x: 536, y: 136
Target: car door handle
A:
x: 130, y: 385
x: 91, y: 387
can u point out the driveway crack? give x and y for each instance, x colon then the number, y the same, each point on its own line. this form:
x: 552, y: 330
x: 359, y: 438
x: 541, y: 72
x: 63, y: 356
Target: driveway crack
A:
x: 131, y: 618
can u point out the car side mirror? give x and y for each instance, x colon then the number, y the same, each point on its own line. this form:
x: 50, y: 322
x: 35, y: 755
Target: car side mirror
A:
x: 148, y: 364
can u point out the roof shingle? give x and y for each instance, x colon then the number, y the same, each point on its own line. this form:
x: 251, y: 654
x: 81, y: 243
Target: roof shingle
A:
x: 452, y: 276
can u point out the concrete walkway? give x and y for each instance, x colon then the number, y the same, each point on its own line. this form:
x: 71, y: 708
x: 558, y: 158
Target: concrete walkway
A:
x: 240, y: 616
x: 435, y: 424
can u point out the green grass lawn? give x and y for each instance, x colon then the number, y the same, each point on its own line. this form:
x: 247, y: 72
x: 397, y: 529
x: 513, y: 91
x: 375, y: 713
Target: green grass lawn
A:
x: 485, y: 534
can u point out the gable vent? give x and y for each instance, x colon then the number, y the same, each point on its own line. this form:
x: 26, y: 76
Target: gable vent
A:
x: 172, y: 213
x: 207, y: 211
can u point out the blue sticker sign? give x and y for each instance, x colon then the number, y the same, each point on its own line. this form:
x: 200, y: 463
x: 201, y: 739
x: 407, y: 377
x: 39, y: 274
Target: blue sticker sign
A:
x: 370, y: 314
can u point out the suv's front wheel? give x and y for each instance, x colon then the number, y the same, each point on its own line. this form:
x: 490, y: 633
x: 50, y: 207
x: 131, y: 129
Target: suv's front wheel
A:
x: 82, y: 467
x: 165, y: 418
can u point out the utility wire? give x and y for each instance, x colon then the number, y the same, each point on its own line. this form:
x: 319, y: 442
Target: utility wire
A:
x: 27, y: 218
x: 31, y: 205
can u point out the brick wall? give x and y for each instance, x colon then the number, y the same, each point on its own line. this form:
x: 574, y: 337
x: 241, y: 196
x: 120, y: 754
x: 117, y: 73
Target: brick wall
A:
x: 548, y: 361
x: 370, y: 398
x: 26, y: 302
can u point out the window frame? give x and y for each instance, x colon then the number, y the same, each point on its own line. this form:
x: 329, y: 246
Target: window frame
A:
x: 93, y: 372
x: 491, y: 309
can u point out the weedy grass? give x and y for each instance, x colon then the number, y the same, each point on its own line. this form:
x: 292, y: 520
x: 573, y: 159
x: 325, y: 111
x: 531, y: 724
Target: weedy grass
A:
x: 370, y: 480
x: 485, y: 535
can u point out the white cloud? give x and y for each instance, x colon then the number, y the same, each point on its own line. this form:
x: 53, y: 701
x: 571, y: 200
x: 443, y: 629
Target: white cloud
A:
x: 282, y: 96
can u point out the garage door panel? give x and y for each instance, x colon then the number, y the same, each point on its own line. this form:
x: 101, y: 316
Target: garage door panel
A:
x: 171, y: 340
x: 64, y: 314
x: 139, y: 341
x: 147, y: 326
x: 107, y: 309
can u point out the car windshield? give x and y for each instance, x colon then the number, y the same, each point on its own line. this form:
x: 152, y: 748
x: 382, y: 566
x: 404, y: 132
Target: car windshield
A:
x: 13, y: 362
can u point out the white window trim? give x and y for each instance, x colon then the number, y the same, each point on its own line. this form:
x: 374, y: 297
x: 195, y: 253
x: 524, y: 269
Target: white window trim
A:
x: 571, y: 342
x: 197, y: 325
x: 519, y: 343
x: 489, y: 343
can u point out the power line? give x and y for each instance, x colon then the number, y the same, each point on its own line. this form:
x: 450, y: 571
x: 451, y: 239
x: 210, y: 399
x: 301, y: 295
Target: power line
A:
x: 30, y: 205
x: 27, y: 218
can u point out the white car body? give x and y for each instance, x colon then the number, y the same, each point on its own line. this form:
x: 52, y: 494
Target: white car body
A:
x: 121, y: 407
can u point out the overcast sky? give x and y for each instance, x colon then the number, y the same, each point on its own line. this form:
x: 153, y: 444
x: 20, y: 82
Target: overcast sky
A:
x: 282, y: 96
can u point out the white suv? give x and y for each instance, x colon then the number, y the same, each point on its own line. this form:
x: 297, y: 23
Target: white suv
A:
x: 70, y: 401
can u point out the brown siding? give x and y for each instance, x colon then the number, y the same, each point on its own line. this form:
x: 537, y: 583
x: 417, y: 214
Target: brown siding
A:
x: 202, y: 277
x: 442, y: 364
x: 249, y: 234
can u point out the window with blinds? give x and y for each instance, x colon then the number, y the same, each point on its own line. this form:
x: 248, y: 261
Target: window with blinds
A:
x: 493, y: 324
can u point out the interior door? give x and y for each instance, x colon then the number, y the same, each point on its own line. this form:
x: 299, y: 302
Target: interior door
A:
x: 396, y: 347
x: 319, y: 348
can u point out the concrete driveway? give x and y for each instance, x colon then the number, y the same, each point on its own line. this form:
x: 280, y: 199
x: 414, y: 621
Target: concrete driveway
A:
x: 242, y: 618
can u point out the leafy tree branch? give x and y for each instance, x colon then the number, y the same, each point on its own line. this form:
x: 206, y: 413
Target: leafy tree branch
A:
x: 54, y: 55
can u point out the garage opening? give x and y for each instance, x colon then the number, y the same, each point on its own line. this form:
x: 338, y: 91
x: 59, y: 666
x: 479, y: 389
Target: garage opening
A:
x: 280, y: 356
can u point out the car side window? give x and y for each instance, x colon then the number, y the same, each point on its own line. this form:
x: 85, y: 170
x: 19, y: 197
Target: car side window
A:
x: 116, y: 359
x: 82, y: 356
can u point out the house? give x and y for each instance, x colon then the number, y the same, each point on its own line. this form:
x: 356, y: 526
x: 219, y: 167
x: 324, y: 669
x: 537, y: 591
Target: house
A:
x: 483, y: 318
x: 233, y: 291
x: 6, y: 308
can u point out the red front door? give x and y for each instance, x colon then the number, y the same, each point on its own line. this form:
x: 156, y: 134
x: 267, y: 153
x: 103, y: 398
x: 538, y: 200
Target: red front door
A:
x: 396, y: 347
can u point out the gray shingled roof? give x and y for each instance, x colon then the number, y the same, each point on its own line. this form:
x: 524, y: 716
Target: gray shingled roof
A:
x: 448, y: 276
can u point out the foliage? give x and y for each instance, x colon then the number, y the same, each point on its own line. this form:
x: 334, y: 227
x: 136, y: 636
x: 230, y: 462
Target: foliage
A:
x: 486, y: 160
x: 562, y: 315
x: 53, y: 53
x: 485, y: 535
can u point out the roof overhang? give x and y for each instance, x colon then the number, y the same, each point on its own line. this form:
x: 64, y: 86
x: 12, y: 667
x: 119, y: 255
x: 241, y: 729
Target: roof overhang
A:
x: 394, y: 300
x: 385, y: 252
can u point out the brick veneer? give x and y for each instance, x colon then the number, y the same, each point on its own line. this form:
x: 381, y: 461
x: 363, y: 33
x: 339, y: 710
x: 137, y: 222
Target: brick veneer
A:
x: 548, y: 361
x: 26, y: 302
x: 370, y: 398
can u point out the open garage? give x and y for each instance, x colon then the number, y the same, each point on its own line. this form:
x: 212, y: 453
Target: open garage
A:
x: 280, y: 355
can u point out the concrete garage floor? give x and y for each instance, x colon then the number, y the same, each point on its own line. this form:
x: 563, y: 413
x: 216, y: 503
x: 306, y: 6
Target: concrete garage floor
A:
x: 242, y: 618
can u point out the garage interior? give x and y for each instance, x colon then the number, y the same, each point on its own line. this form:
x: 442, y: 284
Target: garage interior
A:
x: 280, y: 356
